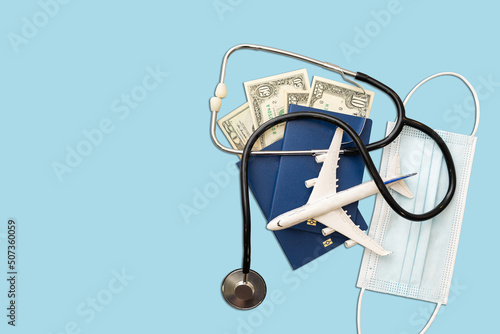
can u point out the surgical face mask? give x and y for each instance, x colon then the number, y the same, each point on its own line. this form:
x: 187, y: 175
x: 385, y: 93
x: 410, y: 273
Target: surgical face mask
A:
x: 421, y: 265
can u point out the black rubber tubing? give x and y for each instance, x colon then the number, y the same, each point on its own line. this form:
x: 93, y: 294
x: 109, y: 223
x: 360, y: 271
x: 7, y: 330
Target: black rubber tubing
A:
x: 360, y: 148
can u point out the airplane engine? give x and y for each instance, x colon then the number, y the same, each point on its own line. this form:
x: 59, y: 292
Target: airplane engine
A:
x: 327, y: 230
x: 349, y: 243
x: 310, y: 183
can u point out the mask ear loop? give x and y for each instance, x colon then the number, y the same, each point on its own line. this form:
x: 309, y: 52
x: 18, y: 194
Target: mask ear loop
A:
x: 467, y: 83
x: 358, y: 314
x: 365, y: 100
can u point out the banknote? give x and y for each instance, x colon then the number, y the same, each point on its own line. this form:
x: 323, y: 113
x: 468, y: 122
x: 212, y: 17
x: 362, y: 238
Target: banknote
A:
x: 339, y: 97
x: 238, y: 126
x: 295, y: 97
x: 266, y: 100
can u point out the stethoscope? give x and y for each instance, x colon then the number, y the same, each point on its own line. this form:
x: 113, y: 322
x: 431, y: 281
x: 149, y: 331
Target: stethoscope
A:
x: 244, y: 288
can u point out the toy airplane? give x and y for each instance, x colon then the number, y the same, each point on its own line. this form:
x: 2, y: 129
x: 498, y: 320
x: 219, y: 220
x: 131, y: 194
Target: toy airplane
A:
x: 325, y: 203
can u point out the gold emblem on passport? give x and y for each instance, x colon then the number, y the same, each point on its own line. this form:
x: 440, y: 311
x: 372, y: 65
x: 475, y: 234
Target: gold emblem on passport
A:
x: 311, y: 222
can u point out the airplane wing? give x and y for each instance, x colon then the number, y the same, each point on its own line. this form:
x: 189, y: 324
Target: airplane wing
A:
x: 326, y: 183
x: 340, y: 222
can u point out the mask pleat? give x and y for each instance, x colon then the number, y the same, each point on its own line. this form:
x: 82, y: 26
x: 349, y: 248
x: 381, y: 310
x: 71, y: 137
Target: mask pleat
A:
x: 419, y: 201
x: 431, y: 200
x: 439, y: 260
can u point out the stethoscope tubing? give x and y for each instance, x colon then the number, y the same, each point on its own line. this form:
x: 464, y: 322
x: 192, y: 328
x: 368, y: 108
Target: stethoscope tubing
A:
x: 363, y: 151
x: 401, y: 121
x: 360, y: 148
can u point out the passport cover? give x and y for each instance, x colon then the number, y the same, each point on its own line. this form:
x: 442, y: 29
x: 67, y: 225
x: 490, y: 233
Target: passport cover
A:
x: 299, y: 246
x: 290, y: 191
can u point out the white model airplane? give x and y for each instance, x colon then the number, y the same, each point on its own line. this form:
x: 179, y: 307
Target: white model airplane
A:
x: 325, y: 203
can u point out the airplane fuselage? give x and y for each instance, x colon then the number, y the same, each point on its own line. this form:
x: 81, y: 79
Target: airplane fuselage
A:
x: 324, y: 205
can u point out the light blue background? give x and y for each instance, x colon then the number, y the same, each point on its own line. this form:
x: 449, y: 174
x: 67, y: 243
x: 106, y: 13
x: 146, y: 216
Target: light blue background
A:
x: 120, y: 207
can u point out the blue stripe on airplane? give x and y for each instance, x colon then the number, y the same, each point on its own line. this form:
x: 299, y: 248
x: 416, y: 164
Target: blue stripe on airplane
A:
x: 399, y: 178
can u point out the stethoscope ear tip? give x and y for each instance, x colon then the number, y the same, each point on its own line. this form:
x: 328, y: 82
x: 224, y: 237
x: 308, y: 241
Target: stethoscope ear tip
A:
x: 244, y: 291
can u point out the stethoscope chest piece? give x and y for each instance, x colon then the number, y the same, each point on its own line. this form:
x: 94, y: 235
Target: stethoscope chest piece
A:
x: 243, y: 291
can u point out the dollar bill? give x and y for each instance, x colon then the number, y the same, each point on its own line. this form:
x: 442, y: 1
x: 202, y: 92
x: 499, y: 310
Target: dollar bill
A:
x: 295, y: 97
x: 266, y: 100
x: 338, y: 97
x: 238, y: 126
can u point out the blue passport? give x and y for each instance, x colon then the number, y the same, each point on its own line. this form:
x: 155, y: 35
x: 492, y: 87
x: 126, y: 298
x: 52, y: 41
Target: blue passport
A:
x: 290, y: 191
x: 300, y: 246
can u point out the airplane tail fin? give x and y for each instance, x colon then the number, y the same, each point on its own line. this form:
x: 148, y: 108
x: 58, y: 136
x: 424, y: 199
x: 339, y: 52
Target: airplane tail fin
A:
x: 400, y: 186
